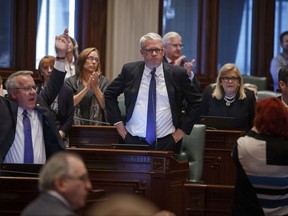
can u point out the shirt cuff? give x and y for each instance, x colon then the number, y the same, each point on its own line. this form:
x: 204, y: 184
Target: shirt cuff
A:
x: 60, y: 66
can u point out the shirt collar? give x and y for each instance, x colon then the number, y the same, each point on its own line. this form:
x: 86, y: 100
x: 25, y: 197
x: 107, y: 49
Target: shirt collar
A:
x: 159, y: 70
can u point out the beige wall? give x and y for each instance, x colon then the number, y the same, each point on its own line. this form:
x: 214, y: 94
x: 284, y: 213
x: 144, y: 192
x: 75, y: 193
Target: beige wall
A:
x: 128, y: 20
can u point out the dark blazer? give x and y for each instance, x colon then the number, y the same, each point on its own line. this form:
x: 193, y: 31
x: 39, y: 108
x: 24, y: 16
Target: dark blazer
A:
x: 178, y: 87
x: 242, y: 110
x: 47, y: 205
x: 195, y: 81
x: 65, y: 115
x: 8, y: 118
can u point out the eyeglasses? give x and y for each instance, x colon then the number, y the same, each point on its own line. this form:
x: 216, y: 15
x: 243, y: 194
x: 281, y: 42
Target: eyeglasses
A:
x: 83, y: 178
x: 151, y: 51
x: 177, y: 45
x: 227, y: 79
x: 91, y: 58
x: 27, y: 88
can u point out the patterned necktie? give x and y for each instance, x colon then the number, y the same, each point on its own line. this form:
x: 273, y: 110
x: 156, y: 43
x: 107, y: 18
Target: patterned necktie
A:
x: 172, y: 62
x: 151, y: 112
x: 28, y: 147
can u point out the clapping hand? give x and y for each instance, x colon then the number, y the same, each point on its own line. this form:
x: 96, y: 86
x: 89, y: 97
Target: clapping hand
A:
x: 94, y: 79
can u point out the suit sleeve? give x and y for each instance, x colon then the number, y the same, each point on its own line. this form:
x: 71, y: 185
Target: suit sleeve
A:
x: 113, y: 90
x: 53, y: 87
x: 67, y: 119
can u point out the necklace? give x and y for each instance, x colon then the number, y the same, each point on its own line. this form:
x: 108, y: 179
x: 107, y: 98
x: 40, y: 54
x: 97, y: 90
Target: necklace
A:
x: 229, y: 100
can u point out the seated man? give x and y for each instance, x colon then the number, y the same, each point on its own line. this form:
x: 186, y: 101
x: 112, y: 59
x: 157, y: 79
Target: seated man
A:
x: 64, y: 186
x: 283, y: 84
x: 280, y: 59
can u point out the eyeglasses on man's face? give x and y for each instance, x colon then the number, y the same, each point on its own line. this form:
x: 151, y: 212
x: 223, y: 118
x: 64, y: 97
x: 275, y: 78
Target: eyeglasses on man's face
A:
x: 227, y: 79
x: 92, y: 58
x: 83, y: 178
x: 27, y: 88
x: 181, y: 46
x: 151, y: 51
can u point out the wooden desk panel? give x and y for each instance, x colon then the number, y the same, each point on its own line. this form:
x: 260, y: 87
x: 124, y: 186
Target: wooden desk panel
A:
x: 87, y: 136
x: 156, y: 175
x: 208, y: 200
x: 218, y: 165
x: 18, y: 191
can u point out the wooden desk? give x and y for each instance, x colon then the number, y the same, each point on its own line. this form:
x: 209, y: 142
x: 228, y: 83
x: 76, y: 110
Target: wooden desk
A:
x: 156, y: 175
x: 19, y: 186
x: 208, y: 200
x: 218, y: 165
x: 87, y: 136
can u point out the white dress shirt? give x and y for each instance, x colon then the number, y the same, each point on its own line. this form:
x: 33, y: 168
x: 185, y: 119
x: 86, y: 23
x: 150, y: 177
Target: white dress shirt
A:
x: 136, y: 126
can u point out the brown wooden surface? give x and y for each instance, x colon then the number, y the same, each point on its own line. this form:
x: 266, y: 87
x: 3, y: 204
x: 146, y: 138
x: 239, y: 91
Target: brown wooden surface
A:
x: 86, y: 136
x: 208, y: 200
x: 218, y: 165
x: 19, y: 186
x: 156, y: 175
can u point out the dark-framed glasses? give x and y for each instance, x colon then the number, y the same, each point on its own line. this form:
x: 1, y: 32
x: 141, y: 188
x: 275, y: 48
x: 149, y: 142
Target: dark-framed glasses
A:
x: 151, y: 51
x: 92, y: 58
x: 27, y: 88
x: 227, y: 79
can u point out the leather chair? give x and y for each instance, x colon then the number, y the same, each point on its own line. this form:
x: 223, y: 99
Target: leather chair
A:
x: 260, y: 82
x: 193, y: 146
x: 267, y: 94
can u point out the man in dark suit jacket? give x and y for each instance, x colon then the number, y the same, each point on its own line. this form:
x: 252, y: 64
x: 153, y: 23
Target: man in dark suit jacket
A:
x: 173, y: 86
x: 173, y: 46
x: 64, y: 187
x: 22, y: 96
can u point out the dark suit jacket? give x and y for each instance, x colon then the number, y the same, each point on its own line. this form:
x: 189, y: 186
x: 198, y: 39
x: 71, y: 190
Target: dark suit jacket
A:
x: 8, y: 118
x: 195, y: 81
x: 178, y: 87
x: 242, y: 110
x: 47, y: 205
x: 65, y: 115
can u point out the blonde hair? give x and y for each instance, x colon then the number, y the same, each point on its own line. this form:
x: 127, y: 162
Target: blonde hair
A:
x: 218, y: 92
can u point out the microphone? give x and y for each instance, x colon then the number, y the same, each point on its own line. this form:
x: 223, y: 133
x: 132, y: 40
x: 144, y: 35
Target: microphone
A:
x: 89, y: 120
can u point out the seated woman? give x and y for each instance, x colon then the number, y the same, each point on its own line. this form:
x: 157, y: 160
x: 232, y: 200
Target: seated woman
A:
x: 261, y: 163
x: 228, y: 98
x: 62, y: 106
x: 88, y: 85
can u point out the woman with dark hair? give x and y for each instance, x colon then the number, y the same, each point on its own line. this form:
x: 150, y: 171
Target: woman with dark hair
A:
x: 262, y: 163
x: 62, y: 107
x: 88, y: 85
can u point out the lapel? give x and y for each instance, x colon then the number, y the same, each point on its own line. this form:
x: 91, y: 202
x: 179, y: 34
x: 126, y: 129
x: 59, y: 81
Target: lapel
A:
x: 137, y: 76
x: 14, y: 109
x: 168, y: 75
